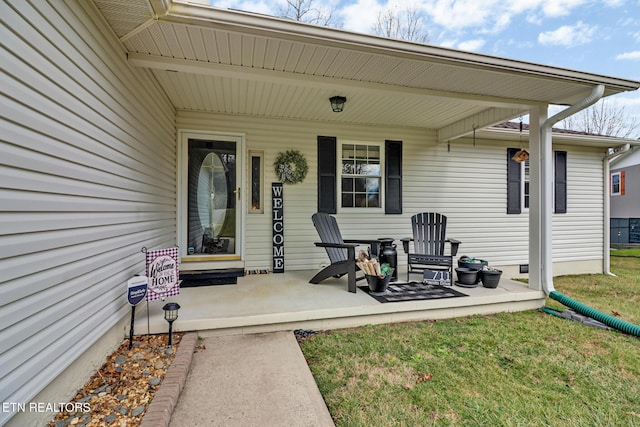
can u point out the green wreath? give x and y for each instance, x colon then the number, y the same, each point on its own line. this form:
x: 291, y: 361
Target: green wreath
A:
x: 291, y: 167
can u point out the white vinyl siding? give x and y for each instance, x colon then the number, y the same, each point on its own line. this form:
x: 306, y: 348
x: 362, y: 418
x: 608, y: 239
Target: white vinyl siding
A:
x: 578, y: 235
x: 466, y: 183
x: 87, y: 170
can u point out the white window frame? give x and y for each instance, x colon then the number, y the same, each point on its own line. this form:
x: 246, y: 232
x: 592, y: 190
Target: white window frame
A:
x: 619, y: 175
x: 523, y: 180
x: 381, y: 147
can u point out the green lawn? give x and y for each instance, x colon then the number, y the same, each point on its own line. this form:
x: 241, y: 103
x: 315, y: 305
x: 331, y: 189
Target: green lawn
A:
x: 511, y: 369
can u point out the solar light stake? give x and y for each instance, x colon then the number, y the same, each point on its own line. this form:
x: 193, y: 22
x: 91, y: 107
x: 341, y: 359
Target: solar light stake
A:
x: 170, y: 315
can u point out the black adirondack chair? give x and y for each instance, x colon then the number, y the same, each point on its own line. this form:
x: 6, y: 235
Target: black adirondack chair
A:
x: 342, y: 253
x: 429, y: 238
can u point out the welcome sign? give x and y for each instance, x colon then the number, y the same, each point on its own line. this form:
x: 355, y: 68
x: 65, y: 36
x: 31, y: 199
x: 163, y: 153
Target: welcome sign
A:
x: 278, y: 227
x: 163, y: 273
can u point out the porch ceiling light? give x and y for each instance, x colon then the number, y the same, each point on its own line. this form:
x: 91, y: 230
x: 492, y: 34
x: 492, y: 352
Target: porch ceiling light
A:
x: 337, y: 103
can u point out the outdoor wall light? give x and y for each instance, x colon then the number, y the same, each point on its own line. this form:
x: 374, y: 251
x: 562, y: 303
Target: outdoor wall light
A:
x: 337, y: 103
x: 171, y: 314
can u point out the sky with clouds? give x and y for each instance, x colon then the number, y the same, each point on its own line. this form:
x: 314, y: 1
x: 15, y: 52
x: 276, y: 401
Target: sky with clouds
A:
x: 596, y: 36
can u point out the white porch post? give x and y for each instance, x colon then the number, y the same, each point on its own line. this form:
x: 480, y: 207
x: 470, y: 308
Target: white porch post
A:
x: 540, y: 194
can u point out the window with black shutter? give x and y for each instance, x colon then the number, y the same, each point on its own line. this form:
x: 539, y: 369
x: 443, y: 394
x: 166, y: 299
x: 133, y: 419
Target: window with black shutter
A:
x: 560, y: 182
x: 393, y: 177
x: 518, y: 183
x: 361, y: 175
x: 327, y: 179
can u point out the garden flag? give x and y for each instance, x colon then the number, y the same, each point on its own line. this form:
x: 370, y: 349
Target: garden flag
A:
x: 163, y: 273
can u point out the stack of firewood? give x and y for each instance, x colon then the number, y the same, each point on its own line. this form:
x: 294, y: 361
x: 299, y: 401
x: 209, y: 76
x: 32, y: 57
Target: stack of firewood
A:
x: 371, y: 267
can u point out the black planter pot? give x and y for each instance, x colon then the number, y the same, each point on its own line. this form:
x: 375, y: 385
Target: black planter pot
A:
x: 378, y: 285
x: 490, y: 278
x: 465, y: 262
x: 467, y: 276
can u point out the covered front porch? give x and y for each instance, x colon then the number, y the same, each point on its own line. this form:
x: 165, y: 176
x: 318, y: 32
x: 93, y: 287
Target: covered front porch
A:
x: 287, y: 301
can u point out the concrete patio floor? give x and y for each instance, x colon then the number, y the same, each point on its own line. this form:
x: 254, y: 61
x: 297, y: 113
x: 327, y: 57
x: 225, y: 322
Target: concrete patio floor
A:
x: 287, y: 301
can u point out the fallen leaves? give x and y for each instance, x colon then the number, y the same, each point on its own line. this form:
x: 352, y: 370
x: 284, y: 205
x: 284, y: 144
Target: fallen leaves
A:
x: 119, y: 392
x: 423, y: 378
x: 420, y: 379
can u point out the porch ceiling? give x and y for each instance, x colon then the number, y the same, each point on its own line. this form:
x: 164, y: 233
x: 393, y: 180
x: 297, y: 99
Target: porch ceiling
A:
x: 215, y: 60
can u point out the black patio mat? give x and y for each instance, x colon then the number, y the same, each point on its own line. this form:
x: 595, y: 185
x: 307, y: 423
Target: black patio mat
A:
x: 414, y: 291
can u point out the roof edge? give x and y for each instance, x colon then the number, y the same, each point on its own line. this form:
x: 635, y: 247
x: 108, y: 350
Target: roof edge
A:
x: 184, y: 11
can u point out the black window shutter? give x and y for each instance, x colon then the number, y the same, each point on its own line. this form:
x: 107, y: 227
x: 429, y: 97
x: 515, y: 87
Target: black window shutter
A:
x: 393, y: 177
x: 513, y: 183
x: 327, y: 184
x: 560, y: 182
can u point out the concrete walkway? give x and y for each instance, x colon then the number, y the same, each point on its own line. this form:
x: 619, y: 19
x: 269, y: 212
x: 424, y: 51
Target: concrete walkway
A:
x: 250, y: 380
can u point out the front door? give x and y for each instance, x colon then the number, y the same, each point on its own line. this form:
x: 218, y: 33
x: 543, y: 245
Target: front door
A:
x: 210, y: 202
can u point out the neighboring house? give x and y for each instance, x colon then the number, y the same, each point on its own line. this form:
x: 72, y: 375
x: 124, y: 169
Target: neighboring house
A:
x: 624, y: 190
x: 144, y: 123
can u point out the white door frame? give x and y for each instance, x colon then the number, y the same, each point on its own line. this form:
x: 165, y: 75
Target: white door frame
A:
x: 209, y: 261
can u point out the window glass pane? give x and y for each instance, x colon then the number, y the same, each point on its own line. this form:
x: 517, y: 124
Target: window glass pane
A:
x: 348, y: 167
x: 525, y: 187
x: 371, y: 169
x: 211, y: 198
x: 256, y: 185
x: 374, y: 153
x: 361, y: 200
x: 347, y: 185
x: 373, y: 185
x: 347, y: 200
x: 361, y: 151
x: 362, y: 171
x: 615, y: 183
x: 348, y: 151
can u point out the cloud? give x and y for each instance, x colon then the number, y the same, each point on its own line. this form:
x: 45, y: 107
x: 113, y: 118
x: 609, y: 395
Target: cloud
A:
x: 471, y: 45
x: 258, y: 6
x: 558, y: 8
x: 460, y: 14
x: 361, y: 15
x: 629, y: 55
x: 568, y: 35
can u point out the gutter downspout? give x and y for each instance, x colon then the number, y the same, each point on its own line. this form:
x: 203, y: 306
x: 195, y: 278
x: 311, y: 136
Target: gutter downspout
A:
x: 607, y: 204
x: 546, y: 200
x: 545, y: 221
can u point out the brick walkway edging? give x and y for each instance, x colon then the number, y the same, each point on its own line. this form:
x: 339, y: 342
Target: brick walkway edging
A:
x: 158, y: 413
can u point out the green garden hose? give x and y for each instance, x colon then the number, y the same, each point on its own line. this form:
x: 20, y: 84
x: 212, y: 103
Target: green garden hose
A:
x: 614, y: 322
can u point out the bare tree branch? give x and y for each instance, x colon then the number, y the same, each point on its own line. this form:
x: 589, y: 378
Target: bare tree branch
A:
x: 405, y: 24
x: 311, y: 12
x: 604, y: 118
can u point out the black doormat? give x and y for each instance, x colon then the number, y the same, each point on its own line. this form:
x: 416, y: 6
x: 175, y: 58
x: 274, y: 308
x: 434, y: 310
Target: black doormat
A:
x: 227, y: 276
x: 414, y: 291
x: 209, y: 282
